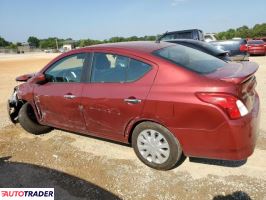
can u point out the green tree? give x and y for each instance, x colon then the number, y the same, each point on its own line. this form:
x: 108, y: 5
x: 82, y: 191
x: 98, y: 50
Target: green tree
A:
x: 221, y: 36
x: 132, y: 38
x: 243, y: 32
x: 50, y: 43
x: 12, y: 46
x: 150, y: 37
x: 88, y: 42
x: 116, y: 39
x: 33, y: 41
x: 259, y: 30
x: 3, y: 42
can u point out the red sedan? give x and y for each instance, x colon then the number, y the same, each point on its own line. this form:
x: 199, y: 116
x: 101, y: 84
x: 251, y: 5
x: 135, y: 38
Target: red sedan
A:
x: 166, y: 100
x: 256, y: 47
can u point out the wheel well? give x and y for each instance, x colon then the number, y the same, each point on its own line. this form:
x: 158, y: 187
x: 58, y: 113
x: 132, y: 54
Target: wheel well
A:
x: 21, y: 102
x: 134, y: 126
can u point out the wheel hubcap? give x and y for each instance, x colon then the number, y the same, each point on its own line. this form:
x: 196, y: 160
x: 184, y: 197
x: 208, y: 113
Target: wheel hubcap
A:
x: 153, y: 146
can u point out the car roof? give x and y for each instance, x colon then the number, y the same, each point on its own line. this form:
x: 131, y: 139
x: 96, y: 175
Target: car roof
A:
x: 138, y: 46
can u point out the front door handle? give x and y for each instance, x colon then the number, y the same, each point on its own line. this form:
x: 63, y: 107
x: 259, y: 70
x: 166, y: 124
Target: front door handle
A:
x: 132, y: 101
x: 69, y: 96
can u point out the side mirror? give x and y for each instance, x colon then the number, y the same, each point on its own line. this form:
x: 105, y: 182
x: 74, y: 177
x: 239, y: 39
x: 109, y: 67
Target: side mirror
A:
x: 39, y: 79
x: 24, y: 78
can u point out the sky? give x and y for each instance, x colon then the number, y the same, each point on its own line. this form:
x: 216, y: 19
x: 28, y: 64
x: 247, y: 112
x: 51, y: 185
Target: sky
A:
x: 102, y: 19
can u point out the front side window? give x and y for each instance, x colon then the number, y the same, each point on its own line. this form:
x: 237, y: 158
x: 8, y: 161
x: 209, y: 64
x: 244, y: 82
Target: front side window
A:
x: 191, y: 59
x: 68, y: 69
x: 111, y: 68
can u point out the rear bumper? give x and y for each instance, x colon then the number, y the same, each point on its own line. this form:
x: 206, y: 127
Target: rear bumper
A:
x: 257, y: 52
x: 240, y: 57
x: 233, y: 140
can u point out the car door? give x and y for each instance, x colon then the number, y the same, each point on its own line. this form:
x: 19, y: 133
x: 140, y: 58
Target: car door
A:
x: 116, y: 93
x: 58, y: 101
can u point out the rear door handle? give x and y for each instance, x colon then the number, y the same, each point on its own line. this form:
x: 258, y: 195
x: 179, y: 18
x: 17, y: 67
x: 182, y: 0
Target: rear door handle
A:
x: 69, y: 96
x: 132, y: 101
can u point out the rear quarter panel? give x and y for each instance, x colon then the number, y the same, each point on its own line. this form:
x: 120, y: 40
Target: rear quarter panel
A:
x: 172, y: 102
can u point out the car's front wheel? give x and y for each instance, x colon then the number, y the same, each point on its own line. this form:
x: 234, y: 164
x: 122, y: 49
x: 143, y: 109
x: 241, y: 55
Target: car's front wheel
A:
x: 156, y: 146
x: 28, y: 121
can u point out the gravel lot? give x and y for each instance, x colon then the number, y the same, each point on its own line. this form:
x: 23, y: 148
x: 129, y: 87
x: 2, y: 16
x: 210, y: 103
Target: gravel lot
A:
x: 82, y: 167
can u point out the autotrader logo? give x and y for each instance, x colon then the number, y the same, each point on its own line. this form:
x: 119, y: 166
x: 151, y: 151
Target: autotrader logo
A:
x: 27, y: 193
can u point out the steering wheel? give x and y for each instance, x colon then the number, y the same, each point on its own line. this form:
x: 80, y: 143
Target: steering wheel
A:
x: 69, y: 76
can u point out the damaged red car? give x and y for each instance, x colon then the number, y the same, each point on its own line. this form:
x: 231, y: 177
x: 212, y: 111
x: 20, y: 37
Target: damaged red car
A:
x: 166, y: 100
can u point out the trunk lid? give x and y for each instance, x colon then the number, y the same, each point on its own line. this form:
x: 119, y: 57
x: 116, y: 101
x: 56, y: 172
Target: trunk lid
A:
x: 235, y: 72
x: 243, y: 78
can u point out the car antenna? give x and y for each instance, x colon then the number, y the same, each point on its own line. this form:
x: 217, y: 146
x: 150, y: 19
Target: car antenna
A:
x: 160, y: 37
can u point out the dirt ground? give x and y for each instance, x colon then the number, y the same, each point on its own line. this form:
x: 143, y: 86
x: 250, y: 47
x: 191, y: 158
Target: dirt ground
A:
x: 82, y: 167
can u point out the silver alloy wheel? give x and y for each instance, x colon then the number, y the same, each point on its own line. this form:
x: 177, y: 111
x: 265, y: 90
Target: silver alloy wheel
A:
x: 153, y: 146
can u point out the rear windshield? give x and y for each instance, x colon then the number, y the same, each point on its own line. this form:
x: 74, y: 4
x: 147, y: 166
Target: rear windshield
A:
x: 255, y: 42
x: 190, y: 58
x: 178, y: 35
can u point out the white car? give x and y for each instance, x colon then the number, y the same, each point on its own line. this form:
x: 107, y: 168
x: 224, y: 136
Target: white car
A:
x: 208, y: 37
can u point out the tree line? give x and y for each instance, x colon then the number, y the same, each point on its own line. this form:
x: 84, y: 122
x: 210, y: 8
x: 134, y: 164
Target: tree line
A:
x: 259, y: 30
x: 53, y: 42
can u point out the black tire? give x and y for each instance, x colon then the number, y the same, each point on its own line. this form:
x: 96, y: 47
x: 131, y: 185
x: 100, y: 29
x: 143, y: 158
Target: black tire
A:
x: 28, y: 121
x: 176, y: 154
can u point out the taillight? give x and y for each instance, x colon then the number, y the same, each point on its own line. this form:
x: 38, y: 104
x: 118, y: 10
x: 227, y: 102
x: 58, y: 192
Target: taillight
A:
x: 231, y: 105
x: 243, y: 47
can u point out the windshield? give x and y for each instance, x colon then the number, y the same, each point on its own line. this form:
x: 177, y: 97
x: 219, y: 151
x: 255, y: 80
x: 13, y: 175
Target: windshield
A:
x: 191, y: 59
x: 255, y: 42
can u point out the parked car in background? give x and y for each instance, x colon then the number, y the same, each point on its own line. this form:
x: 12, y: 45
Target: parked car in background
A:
x: 237, y: 49
x: 50, y: 51
x: 204, y: 47
x: 256, y: 47
x: 166, y: 100
x: 194, y: 34
x: 261, y: 38
x: 208, y: 37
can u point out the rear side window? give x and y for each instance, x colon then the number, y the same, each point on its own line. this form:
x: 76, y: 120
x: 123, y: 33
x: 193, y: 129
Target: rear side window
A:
x: 179, y: 35
x: 111, y: 68
x: 191, y: 59
x: 136, y: 70
x: 184, y: 35
x: 188, y: 34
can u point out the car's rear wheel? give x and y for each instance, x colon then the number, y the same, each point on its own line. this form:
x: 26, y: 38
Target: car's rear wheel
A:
x: 28, y: 121
x: 156, y: 146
